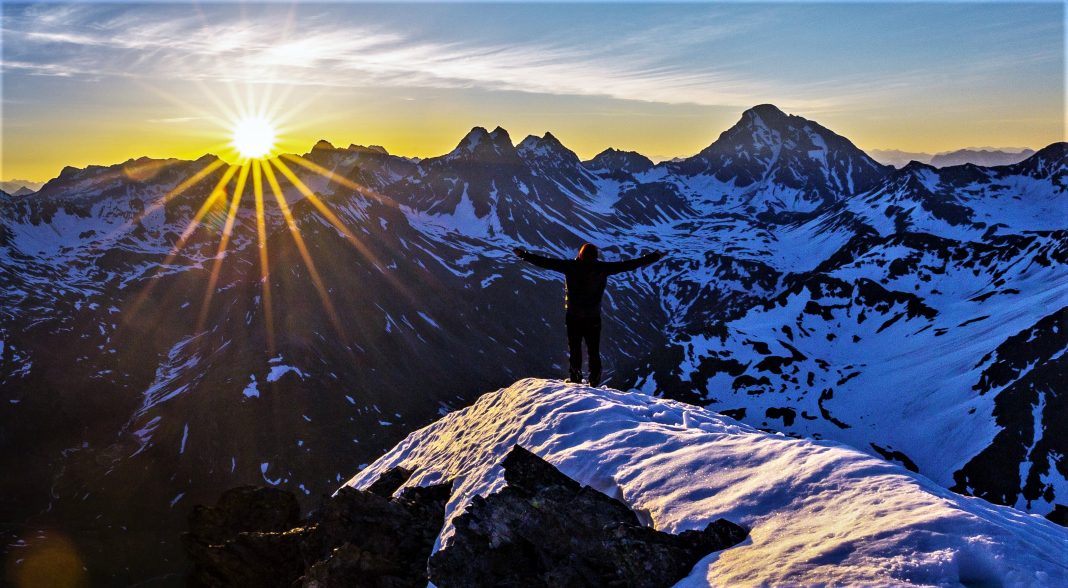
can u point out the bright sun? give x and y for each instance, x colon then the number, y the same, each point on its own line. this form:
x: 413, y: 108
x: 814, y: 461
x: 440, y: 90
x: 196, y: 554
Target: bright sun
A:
x: 253, y: 137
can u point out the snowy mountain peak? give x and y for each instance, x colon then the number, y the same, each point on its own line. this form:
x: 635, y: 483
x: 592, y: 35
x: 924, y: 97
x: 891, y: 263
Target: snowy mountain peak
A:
x: 915, y: 178
x: 615, y: 161
x: 916, y: 167
x: 548, y: 148
x: 472, y: 140
x: 766, y: 115
x: 487, y: 146
x: 498, y: 134
x: 1050, y: 162
x: 378, y: 149
x: 766, y: 125
x: 68, y: 172
x: 783, y: 164
x: 528, y: 144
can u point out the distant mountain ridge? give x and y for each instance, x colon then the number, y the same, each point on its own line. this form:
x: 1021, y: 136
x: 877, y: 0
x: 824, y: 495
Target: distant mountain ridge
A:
x: 982, y: 157
x: 808, y: 289
x: 20, y: 187
x: 976, y: 156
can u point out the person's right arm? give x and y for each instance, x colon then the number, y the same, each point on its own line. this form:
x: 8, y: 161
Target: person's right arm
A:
x: 615, y: 267
x: 548, y: 263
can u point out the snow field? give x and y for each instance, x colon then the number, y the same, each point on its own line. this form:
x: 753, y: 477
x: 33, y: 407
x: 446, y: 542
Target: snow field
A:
x: 820, y: 513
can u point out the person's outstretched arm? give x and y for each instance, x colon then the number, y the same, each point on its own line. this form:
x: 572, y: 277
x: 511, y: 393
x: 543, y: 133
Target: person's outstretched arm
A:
x: 615, y: 267
x: 548, y: 263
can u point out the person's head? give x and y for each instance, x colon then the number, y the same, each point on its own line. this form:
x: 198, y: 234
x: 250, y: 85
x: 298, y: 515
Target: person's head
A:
x: 588, y: 252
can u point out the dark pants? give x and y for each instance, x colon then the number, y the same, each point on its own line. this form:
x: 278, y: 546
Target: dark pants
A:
x: 588, y: 329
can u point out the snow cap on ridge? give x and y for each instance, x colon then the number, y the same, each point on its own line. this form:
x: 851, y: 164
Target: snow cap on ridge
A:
x: 488, y: 146
x: 615, y: 160
x: 547, y: 148
x: 823, y: 512
x: 767, y: 113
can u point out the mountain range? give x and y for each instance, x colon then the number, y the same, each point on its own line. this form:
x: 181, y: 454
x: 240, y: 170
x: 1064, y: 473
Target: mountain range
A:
x: 985, y: 156
x: 914, y: 314
x: 20, y: 187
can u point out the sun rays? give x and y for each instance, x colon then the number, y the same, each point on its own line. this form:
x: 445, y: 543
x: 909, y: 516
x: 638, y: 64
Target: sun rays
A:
x: 248, y: 192
x: 246, y: 198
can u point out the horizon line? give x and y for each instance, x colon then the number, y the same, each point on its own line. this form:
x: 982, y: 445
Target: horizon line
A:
x: 657, y: 160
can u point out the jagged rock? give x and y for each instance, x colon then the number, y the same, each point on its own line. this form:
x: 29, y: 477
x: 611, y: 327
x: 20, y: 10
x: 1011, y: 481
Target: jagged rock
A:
x: 244, y: 509
x: 544, y: 529
x: 1059, y: 515
x: 356, y: 538
x: 249, y: 559
x: 347, y: 565
x: 388, y: 482
x: 390, y: 540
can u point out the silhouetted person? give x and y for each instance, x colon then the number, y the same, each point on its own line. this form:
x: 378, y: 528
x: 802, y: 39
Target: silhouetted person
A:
x: 586, y: 280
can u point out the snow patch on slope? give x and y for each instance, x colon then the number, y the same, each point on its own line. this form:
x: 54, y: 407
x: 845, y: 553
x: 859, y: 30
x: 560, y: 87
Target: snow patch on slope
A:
x: 824, y: 513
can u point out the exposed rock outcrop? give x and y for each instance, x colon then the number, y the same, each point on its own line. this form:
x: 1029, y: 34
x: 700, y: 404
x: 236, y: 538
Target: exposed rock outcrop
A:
x: 357, y: 538
x: 544, y: 529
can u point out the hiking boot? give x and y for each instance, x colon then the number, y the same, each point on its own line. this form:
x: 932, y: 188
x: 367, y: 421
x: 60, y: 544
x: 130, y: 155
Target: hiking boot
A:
x: 574, y: 378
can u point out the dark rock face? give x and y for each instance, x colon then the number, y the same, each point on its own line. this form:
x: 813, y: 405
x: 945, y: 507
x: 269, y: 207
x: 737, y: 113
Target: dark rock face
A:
x: 613, y: 162
x: 244, y: 509
x: 357, y: 538
x: 1027, y: 372
x: 768, y: 145
x: 544, y: 529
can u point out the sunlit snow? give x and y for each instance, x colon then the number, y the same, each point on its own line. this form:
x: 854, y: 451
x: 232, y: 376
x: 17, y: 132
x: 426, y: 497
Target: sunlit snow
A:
x: 820, y: 512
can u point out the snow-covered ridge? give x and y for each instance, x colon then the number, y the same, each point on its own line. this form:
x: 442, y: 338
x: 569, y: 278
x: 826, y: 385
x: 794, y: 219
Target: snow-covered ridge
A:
x: 822, y: 512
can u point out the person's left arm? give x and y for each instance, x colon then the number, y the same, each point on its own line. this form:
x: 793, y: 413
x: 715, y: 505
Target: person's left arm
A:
x: 549, y: 263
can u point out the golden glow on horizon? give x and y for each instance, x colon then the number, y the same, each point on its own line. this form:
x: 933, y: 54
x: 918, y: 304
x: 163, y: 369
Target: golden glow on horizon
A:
x: 430, y: 133
x: 203, y: 119
x: 255, y: 120
x: 253, y: 137
x: 238, y: 200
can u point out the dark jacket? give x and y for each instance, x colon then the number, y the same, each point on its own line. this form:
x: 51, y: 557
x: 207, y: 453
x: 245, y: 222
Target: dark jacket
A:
x: 586, y: 280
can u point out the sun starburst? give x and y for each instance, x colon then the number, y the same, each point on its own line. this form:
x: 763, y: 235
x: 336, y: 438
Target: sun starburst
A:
x: 258, y: 127
x: 254, y: 137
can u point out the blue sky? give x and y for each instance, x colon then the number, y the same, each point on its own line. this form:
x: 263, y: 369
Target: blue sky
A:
x: 121, y: 80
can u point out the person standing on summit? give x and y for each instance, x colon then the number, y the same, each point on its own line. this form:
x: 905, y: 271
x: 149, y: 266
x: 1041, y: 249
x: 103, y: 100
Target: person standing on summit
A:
x: 586, y: 278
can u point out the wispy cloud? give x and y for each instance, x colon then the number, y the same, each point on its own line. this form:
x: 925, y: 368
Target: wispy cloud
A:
x: 224, y: 45
x: 174, y: 120
x: 668, y: 61
x: 45, y: 69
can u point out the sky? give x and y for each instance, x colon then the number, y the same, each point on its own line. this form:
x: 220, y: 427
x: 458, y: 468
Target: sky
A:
x: 94, y: 83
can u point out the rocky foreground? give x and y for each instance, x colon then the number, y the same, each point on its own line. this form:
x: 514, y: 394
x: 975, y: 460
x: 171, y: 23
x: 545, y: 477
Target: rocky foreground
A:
x: 545, y: 483
x: 543, y: 529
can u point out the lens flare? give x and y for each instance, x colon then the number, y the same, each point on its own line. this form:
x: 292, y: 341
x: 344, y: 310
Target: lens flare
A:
x: 253, y: 137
